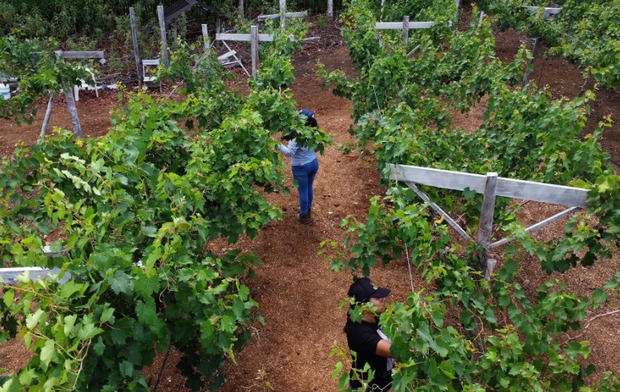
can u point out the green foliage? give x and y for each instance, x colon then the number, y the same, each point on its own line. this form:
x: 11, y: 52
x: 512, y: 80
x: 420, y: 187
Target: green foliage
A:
x: 468, y: 333
x: 586, y: 32
x: 40, y: 74
x: 135, y: 213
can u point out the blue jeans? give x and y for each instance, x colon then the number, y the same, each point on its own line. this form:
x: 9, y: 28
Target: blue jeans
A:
x: 304, y: 176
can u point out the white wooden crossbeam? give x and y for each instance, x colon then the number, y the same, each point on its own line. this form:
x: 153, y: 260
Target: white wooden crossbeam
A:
x: 506, y: 187
x: 440, y: 211
x: 14, y: 274
x: 262, y: 18
x: 399, y: 25
x: 549, y: 11
x: 242, y: 37
x: 492, y: 186
x: 80, y: 54
x: 536, y: 226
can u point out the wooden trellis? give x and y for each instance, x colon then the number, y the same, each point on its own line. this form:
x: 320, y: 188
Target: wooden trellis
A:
x: 69, y: 94
x: 548, y: 13
x: 283, y: 15
x: 405, y: 26
x: 13, y: 275
x: 254, y: 38
x: 490, y: 186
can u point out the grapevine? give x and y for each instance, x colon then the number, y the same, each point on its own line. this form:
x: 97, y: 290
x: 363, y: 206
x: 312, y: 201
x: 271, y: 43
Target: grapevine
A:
x: 503, y: 340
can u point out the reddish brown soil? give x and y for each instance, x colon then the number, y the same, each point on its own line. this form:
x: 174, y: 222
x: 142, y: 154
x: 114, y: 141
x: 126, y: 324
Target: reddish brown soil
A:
x: 298, y: 296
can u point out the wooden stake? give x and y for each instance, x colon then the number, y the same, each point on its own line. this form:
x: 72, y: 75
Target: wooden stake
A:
x: 530, y: 64
x: 283, y: 14
x: 241, y: 11
x: 162, y: 30
x: 330, y: 9
x: 405, y: 31
x: 75, y: 120
x: 134, y: 37
x: 486, y: 218
x: 48, y: 114
x: 254, y: 50
x: 205, y: 37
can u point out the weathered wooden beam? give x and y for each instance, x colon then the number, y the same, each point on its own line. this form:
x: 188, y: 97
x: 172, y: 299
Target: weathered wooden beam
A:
x: 399, y: 25
x: 405, y: 31
x: 330, y: 9
x: 254, y: 49
x: 485, y: 229
x: 530, y: 65
x: 163, y: 39
x: 205, y: 37
x: 440, y: 211
x: 14, y: 275
x: 506, y: 187
x: 243, y: 37
x: 80, y: 54
x: 248, y: 37
x: 262, y: 18
x: 134, y: 38
x: 537, y: 226
x: 282, y: 15
x: 48, y: 115
x: 548, y: 11
x: 73, y: 112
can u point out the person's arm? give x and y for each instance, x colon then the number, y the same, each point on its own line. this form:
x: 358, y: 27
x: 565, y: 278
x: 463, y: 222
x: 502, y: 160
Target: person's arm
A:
x: 383, y: 348
x: 290, y: 150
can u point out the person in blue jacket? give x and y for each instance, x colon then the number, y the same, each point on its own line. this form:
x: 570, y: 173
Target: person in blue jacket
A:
x: 305, y: 166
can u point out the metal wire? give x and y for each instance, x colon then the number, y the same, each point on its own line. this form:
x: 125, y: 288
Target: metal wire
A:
x: 409, y: 267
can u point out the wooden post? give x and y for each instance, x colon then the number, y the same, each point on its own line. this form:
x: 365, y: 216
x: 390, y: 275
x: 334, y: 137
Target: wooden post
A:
x: 48, y: 114
x: 457, y: 3
x: 405, y: 31
x: 254, y: 49
x: 134, y: 37
x: 530, y: 64
x: 175, y: 35
x: 283, y: 14
x: 486, y: 219
x: 205, y: 37
x: 330, y: 9
x: 241, y: 11
x: 480, y: 18
x: 218, y: 24
x: 75, y: 120
x: 164, y: 41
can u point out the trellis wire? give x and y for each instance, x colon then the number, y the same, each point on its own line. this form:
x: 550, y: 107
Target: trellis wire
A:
x: 409, y: 266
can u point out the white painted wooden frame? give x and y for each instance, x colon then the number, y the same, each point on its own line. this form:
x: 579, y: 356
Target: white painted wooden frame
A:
x: 12, y: 275
x: 405, y: 26
x: 549, y: 11
x: 254, y: 38
x: 262, y: 18
x: 490, y: 186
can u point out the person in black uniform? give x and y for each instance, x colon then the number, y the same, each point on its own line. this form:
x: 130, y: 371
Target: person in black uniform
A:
x: 366, y: 339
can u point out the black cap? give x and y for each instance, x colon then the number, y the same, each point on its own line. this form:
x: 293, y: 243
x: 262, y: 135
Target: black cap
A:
x: 310, y: 120
x: 363, y: 289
